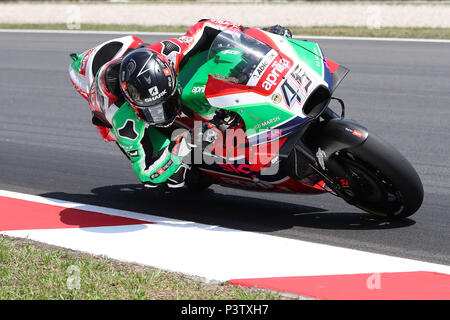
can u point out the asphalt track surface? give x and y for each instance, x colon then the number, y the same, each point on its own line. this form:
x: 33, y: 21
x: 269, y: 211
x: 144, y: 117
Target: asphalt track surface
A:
x: 399, y: 90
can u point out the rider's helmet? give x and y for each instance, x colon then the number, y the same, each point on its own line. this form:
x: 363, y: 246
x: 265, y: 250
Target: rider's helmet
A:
x: 149, y: 83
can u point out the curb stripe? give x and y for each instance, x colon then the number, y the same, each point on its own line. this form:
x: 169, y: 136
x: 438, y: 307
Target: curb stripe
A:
x: 219, y: 254
x: 19, y: 214
x: 376, y: 286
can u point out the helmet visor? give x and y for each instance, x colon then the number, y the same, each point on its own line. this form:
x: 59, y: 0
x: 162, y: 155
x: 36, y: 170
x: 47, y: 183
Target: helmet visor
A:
x: 155, y: 114
x: 162, y: 114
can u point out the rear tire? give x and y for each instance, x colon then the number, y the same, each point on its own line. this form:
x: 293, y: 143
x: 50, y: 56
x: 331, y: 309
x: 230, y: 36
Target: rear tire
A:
x: 379, y: 179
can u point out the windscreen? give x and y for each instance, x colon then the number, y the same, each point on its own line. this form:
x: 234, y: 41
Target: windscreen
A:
x: 238, y: 56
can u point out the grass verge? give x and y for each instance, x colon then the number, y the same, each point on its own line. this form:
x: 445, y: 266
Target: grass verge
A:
x: 342, y: 31
x: 35, y: 271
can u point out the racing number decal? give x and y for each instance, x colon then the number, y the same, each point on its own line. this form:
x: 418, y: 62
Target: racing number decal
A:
x: 291, y: 93
x: 296, y: 87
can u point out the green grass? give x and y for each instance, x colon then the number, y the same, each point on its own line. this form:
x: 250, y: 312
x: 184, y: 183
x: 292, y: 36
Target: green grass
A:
x: 387, y: 32
x: 35, y: 271
x: 342, y: 31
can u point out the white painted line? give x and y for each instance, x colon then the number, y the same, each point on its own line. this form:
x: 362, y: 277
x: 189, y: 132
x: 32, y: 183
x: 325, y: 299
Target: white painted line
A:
x: 91, y: 32
x: 373, y: 39
x: 176, y: 34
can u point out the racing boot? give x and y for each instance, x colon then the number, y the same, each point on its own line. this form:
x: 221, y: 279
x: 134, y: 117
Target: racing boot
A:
x: 177, y: 180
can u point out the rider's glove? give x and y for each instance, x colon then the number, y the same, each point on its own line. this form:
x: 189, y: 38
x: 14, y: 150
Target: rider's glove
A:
x: 282, y: 31
x: 181, y: 146
x: 205, y: 135
x: 223, y: 119
x: 210, y: 133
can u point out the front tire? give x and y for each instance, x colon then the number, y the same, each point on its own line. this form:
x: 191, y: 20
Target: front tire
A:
x: 378, y: 179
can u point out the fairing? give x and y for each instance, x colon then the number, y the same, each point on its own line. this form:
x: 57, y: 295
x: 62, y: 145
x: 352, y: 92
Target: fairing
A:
x: 270, y: 82
x: 267, y: 79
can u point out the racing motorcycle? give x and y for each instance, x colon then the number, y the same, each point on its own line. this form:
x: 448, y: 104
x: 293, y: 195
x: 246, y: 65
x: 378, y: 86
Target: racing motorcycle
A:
x: 272, y: 97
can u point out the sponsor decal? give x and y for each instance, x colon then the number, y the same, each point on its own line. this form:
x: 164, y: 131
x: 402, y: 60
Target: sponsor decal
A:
x: 133, y: 153
x: 276, y: 98
x: 355, y: 132
x: 170, y: 81
x: 228, y: 51
x: 155, y: 96
x: 267, y: 123
x: 154, y: 176
x: 265, y: 62
x: 240, y: 169
x: 186, y: 39
x: 273, y: 134
x: 166, y: 72
x: 167, y: 164
x: 153, y: 91
x: 276, y: 73
x: 317, y: 57
x: 200, y: 89
x: 161, y: 170
x: 262, y: 67
x: 225, y: 78
x: 226, y: 23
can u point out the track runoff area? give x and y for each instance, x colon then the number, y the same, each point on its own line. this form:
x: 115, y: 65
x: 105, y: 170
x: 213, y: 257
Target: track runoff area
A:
x: 221, y: 254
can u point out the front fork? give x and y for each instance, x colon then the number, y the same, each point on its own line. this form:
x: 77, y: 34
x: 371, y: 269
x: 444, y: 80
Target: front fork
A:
x: 332, y: 135
x: 323, y: 171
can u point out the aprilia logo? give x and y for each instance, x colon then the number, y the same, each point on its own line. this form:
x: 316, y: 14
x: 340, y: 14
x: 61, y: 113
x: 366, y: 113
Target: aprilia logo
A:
x: 200, y: 89
x: 272, y: 78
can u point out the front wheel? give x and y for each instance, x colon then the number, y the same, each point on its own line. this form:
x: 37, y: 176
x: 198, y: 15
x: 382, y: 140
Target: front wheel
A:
x: 376, y: 178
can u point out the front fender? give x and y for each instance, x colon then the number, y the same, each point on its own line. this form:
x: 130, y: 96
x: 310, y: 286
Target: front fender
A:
x: 338, y: 134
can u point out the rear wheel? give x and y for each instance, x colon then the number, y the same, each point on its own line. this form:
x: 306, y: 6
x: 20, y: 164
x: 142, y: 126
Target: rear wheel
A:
x: 378, y: 179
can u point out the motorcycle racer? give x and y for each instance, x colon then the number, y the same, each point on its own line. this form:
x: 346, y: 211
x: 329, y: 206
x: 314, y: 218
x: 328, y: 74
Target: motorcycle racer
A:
x: 131, y: 87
